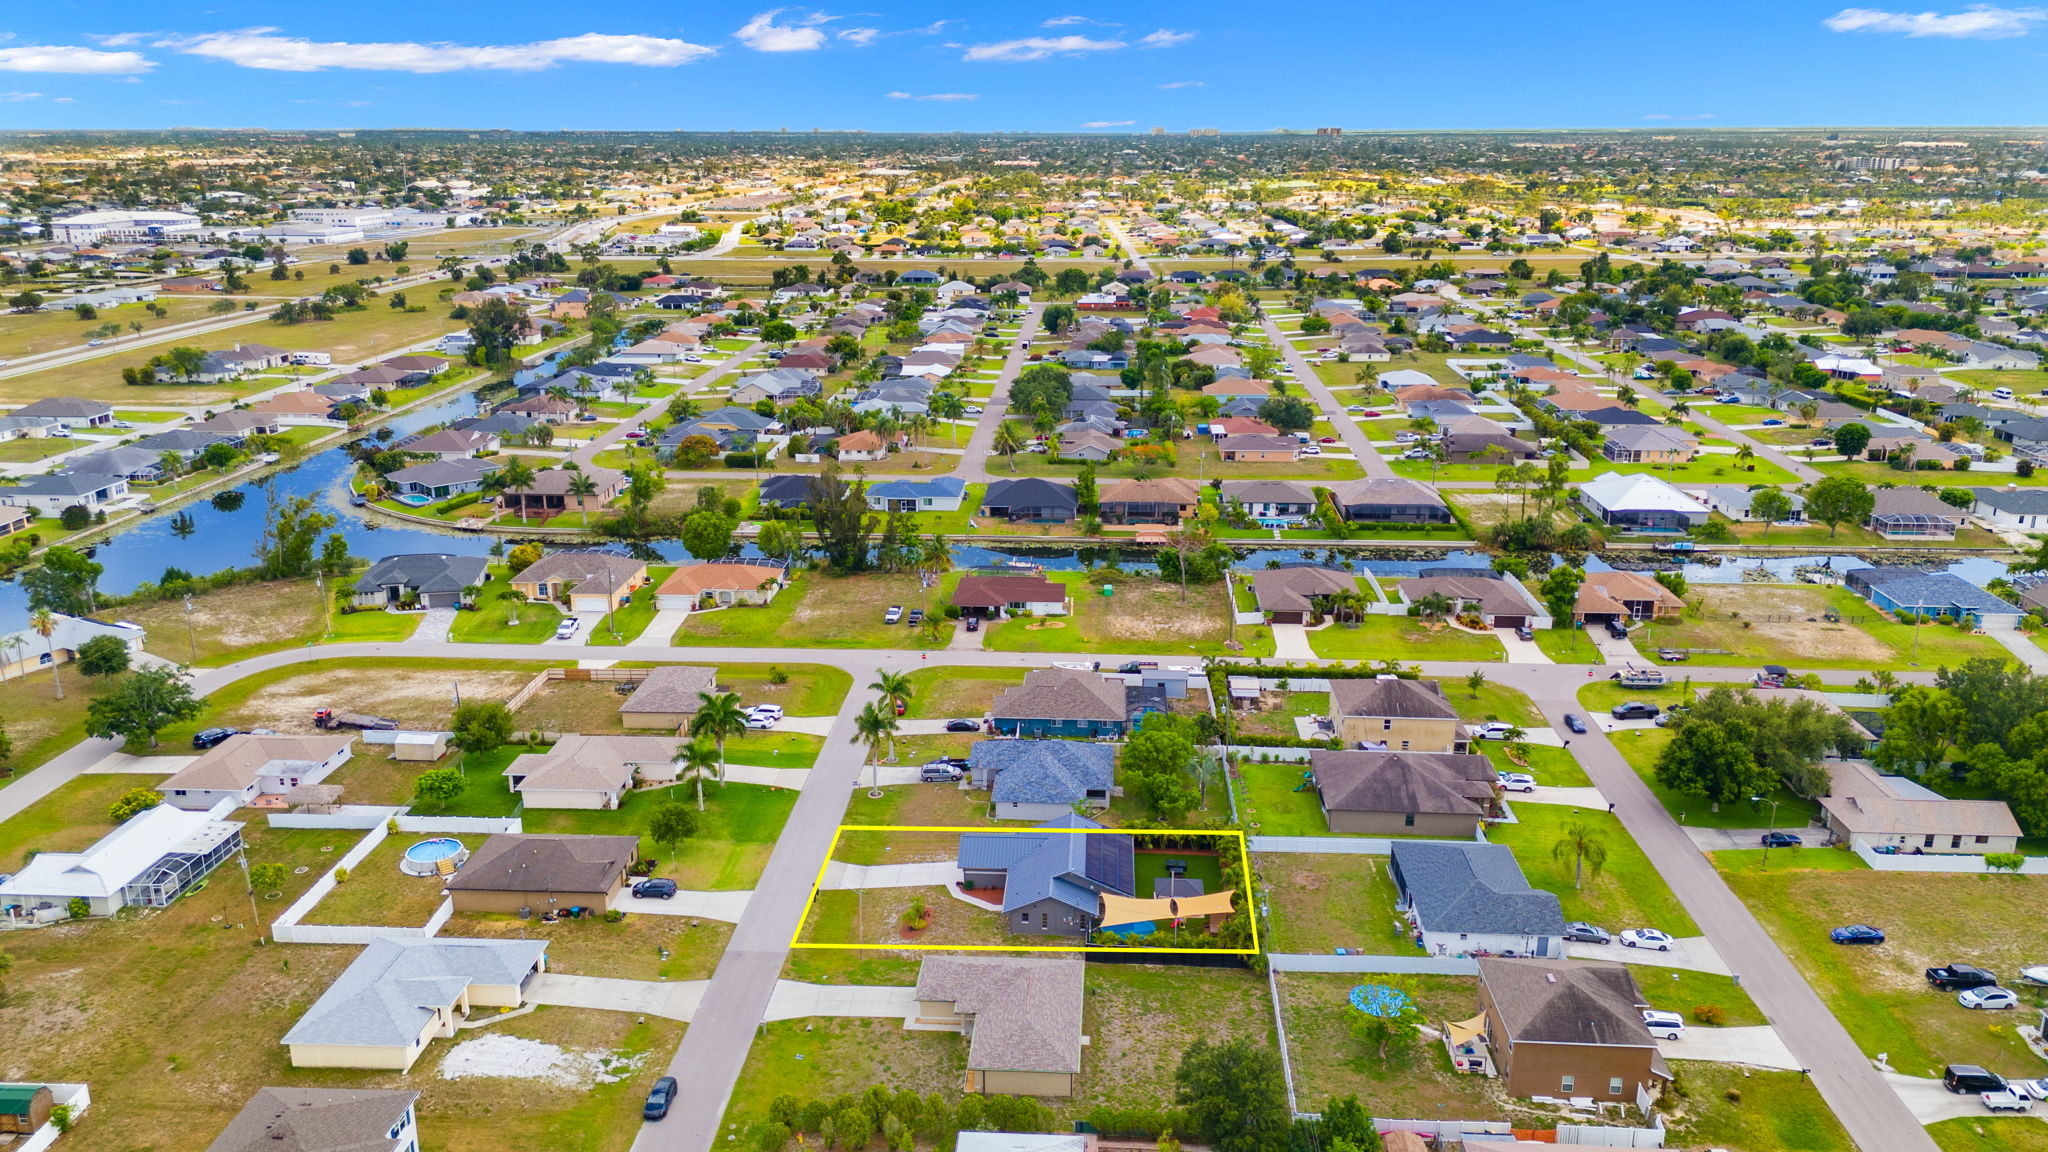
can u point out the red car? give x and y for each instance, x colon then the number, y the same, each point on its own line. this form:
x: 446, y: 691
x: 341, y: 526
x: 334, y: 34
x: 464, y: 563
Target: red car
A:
x: 1327, y: 440
x: 1369, y: 413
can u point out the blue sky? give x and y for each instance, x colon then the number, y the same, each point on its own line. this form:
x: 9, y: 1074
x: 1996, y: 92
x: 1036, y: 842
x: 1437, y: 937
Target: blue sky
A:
x: 943, y: 67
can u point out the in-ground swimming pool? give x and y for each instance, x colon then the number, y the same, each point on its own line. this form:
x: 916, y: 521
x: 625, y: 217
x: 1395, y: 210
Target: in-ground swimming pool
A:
x: 425, y: 857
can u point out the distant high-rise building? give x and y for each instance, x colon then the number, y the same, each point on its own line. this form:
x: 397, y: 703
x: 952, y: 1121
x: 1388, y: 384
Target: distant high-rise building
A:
x: 1329, y: 131
x: 1871, y: 163
x: 1158, y: 131
x: 1205, y: 132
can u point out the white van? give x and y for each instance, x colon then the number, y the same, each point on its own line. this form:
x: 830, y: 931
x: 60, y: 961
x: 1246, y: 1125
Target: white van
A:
x: 2001, y: 393
x: 1664, y: 1025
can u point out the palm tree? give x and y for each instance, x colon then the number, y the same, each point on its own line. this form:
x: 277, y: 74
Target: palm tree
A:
x: 515, y: 598
x: 935, y: 556
x: 873, y: 727
x: 1007, y: 443
x: 1053, y: 443
x: 12, y: 645
x: 718, y: 716
x: 895, y: 690
x: 1744, y: 454
x: 45, y: 625
x: 698, y: 757
x: 949, y: 407
x: 1435, y: 606
x: 582, y: 487
x: 1584, y: 847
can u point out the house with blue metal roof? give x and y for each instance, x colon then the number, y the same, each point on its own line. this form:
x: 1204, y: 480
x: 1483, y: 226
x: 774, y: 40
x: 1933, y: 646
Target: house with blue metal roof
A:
x: 1042, y: 779
x: 938, y: 494
x: 1933, y: 594
x: 1052, y: 880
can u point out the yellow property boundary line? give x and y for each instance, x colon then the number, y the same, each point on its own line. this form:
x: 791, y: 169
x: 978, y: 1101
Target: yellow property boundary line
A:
x: 818, y: 885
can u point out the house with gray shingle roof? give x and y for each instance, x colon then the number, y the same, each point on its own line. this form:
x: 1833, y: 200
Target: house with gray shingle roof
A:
x: 1932, y: 594
x: 431, y: 579
x: 1464, y: 899
x: 1042, y: 779
x: 2023, y: 508
x: 1052, y: 878
x: 668, y: 697
x: 403, y: 992
x: 1022, y: 1015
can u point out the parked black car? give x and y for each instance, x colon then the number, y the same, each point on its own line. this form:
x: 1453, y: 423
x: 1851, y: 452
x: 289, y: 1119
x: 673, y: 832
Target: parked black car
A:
x: 1635, y: 710
x: 1617, y: 629
x: 1957, y: 977
x: 1961, y: 1078
x: 659, y: 1098
x: 974, y: 623
x: 963, y: 725
x: 655, y: 889
x: 1781, y: 840
x: 212, y: 737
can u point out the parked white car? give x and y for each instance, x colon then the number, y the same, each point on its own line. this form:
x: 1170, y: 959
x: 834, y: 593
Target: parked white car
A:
x: 1664, y: 1025
x: 1493, y: 730
x: 1991, y: 998
x: 1516, y: 782
x: 1646, y: 938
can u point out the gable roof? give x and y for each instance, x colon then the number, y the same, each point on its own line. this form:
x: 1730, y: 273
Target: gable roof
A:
x: 671, y: 688
x: 236, y: 762
x: 1071, y: 867
x: 425, y: 572
x: 1638, y: 493
x: 581, y: 763
x: 1291, y: 589
x: 1030, y: 492
x: 1391, y: 696
x: 386, y: 997
x: 994, y: 591
x: 1473, y: 888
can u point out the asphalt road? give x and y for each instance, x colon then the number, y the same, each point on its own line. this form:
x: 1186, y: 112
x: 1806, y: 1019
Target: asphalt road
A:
x: 1347, y: 429
x: 973, y: 466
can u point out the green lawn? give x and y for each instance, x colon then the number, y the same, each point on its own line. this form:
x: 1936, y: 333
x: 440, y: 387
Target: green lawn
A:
x: 1878, y: 992
x: 29, y: 449
x: 1626, y: 893
x: 1724, y: 1106
x: 1567, y: 645
x: 632, y: 619
x: 371, y: 627
x: 1681, y: 990
x: 1640, y: 748
x: 1991, y: 1134
x: 492, y: 622
x: 1271, y: 801
x: 1142, y: 615
x: 1402, y: 638
x: 943, y: 693
x: 826, y: 611
x: 736, y: 831
x: 1552, y: 767
x: 1491, y: 702
x: 1750, y: 625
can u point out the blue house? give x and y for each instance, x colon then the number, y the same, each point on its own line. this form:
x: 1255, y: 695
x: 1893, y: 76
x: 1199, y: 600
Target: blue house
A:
x: 1063, y: 702
x: 1933, y: 594
x: 920, y: 276
x: 939, y: 494
x: 1052, y: 881
x: 1042, y: 779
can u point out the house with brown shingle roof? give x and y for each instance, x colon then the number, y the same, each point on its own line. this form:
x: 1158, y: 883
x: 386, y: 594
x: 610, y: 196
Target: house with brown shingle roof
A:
x: 1374, y: 793
x: 588, y: 581
x: 1062, y: 702
x: 1288, y: 595
x: 1608, y: 596
x: 1022, y: 1016
x: 998, y: 596
x: 725, y: 584
x: 322, y: 1120
x: 1392, y: 713
x: 511, y: 872
x: 1163, y: 501
x: 668, y: 697
x: 1568, y: 1028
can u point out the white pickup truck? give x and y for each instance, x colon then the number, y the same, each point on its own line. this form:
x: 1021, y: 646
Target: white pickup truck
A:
x: 2007, y: 1101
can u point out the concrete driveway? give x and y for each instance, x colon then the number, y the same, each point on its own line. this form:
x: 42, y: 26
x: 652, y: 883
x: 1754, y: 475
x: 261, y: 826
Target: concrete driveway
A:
x: 1723, y: 839
x: 936, y: 873
x: 1521, y: 651
x: 793, y: 1000
x: 1570, y: 797
x: 726, y: 906
x: 1690, y: 952
x: 1758, y: 1047
x: 672, y: 999
x: 1931, y: 1103
x: 1290, y: 642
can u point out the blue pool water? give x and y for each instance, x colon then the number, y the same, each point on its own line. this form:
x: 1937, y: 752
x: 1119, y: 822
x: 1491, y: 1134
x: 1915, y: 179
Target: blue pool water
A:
x: 433, y: 851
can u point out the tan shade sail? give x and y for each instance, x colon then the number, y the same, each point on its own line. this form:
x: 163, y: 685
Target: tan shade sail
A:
x: 1118, y: 910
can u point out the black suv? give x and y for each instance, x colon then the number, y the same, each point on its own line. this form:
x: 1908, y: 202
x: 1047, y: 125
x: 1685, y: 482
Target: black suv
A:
x: 211, y: 737
x: 1970, y: 1078
x: 657, y: 889
x: 1957, y: 977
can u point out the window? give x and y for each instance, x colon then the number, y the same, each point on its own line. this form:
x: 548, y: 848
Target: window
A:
x: 1408, y: 821
x: 1042, y: 920
x: 1404, y: 745
x: 1983, y: 839
x: 1024, y: 918
x: 1566, y: 1084
x: 1955, y: 841
x: 1386, y: 725
x: 1928, y: 841
x: 1614, y: 1086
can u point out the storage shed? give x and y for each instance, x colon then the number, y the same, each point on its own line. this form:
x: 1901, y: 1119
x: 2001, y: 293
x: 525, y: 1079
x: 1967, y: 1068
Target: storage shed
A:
x: 24, y: 1108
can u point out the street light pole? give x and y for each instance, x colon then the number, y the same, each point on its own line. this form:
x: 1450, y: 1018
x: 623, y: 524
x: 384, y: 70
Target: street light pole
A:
x: 1770, y: 831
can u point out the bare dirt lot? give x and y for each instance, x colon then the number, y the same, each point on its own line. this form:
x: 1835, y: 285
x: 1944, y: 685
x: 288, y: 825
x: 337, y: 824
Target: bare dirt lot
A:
x: 1790, y: 616
x: 415, y: 697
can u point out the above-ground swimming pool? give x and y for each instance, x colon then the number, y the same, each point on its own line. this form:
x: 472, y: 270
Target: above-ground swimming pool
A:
x: 426, y: 857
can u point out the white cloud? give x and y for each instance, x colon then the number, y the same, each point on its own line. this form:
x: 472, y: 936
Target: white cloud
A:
x: 948, y: 97
x: 1165, y: 38
x: 763, y: 34
x: 1039, y: 47
x: 262, y: 48
x: 1108, y: 123
x: 70, y: 58
x: 19, y: 97
x: 63, y: 100
x: 1976, y: 22
x: 861, y: 37
x: 1186, y: 84
x: 1070, y: 21
x: 119, y: 39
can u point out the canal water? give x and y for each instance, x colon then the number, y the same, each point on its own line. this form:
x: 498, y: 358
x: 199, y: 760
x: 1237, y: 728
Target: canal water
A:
x: 207, y: 535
